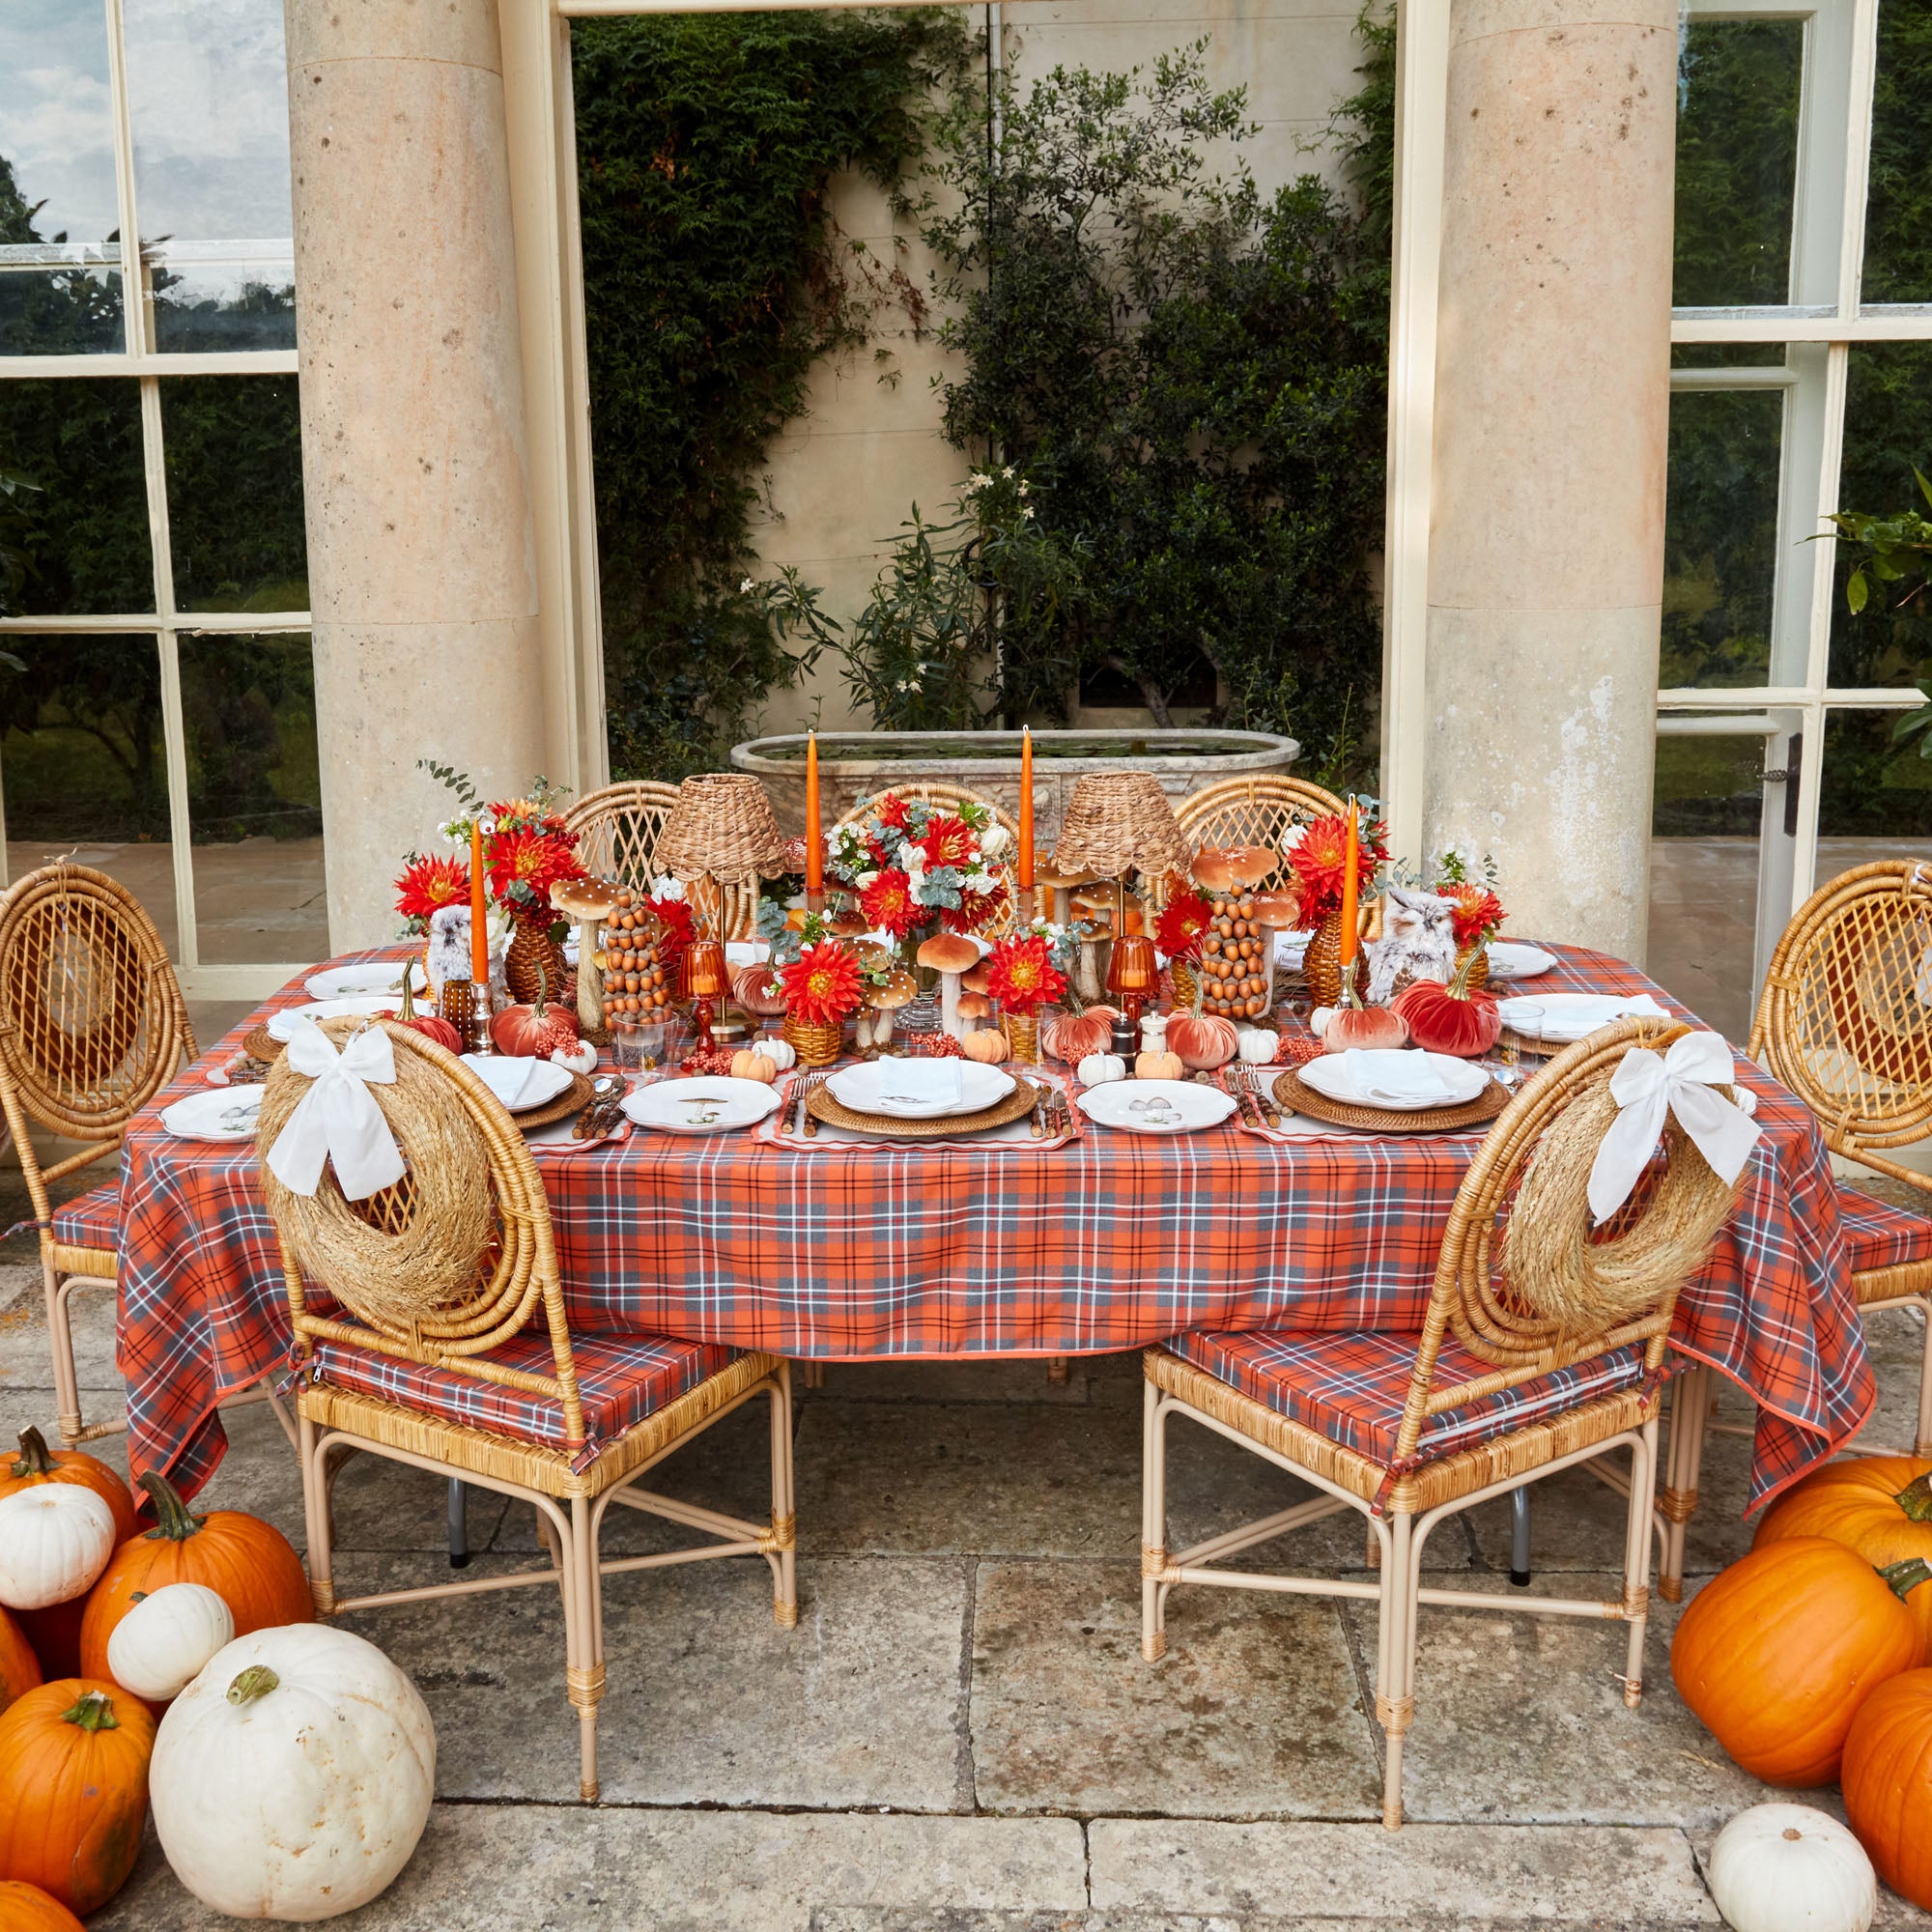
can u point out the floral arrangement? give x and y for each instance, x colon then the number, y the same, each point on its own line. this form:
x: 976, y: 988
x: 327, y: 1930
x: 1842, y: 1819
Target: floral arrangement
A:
x: 910, y: 868
x: 671, y: 909
x: 823, y: 985
x: 1020, y: 972
x: 526, y: 849
x: 1476, y: 913
x: 1183, y: 924
x: 1318, y: 857
x: 426, y: 886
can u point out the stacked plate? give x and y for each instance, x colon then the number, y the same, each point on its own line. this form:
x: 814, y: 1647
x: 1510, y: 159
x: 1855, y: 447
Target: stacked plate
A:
x: 1512, y: 959
x: 707, y: 1103
x: 863, y: 1100
x: 368, y: 975
x: 866, y: 1089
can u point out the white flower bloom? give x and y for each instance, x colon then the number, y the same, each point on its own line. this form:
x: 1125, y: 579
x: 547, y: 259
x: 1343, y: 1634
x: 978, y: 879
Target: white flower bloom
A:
x: 1290, y: 840
x: 1026, y: 513
x: 993, y: 840
x: 664, y: 887
x: 978, y: 480
x: 746, y: 587
x: 865, y: 881
x: 1022, y: 486
x: 1008, y: 472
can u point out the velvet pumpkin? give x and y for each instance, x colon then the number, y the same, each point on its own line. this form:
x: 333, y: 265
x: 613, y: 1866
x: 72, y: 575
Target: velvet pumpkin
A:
x: 1451, y: 1018
x: 1777, y: 1652
x: 758, y: 990
x: 534, y: 1032
x: 1880, y: 1506
x: 1887, y: 1782
x: 26, y: 1908
x: 437, y: 1030
x: 73, y: 1789
x: 1203, y: 1042
x: 19, y: 1668
x: 1367, y: 1026
x: 1072, y: 1037
x: 246, y: 1562
x: 37, y: 1463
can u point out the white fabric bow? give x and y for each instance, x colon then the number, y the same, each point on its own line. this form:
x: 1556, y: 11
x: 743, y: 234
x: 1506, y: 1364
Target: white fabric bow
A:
x: 1646, y: 1087
x: 338, y: 1119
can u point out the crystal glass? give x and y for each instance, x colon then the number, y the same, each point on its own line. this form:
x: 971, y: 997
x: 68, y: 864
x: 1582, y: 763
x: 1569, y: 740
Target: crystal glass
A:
x: 642, y: 1043
x: 1509, y: 1048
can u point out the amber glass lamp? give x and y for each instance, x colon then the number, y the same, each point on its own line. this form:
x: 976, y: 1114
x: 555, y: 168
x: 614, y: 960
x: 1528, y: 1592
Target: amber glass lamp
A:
x: 706, y: 978
x: 1132, y: 979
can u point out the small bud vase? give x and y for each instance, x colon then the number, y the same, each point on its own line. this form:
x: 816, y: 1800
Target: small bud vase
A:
x: 1022, y: 1032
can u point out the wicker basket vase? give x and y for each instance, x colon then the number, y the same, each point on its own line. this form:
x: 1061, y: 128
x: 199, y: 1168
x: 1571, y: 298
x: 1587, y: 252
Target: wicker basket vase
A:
x: 1322, y: 963
x: 1022, y: 1032
x: 815, y: 1046
x: 1478, y: 973
x: 535, y: 963
x: 1181, y: 976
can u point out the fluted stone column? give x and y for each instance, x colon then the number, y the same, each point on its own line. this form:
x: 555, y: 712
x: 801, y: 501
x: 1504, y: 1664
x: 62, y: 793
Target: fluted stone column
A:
x: 414, y: 451
x: 1545, y: 561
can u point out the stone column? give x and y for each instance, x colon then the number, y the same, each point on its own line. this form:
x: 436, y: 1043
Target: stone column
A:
x: 421, y: 574
x: 1545, y: 561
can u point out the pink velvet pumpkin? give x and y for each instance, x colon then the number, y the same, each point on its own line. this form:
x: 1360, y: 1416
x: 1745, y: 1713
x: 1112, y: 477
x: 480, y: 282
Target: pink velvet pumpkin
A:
x: 1072, y: 1037
x: 1201, y: 1042
x: 1364, y: 1026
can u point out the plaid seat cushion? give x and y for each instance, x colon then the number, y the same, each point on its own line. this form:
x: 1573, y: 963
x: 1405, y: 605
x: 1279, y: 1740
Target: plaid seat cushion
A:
x: 91, y: 1220
x: 620, y: 1379
x: 1350, y: 1388
x: 1878, y: 1234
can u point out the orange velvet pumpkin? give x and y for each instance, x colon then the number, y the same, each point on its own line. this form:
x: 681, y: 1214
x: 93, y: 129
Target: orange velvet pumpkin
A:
x: 19, y: 1668
x: 439, y: 1031
x: 1887, y: 1782
x: 1777, y: 1652
x: 1072, y: 1037
x: 37, y: 1463
x: 1201, y: 1042
x: 758, y: 990
x: 26, y: 1908
x: 536, y: 1031
x: 246, y: 1562
x: 1368, y: 1027
x: 73, y: 1789
x: 1449, y: 1019
x: 1879, y: 1505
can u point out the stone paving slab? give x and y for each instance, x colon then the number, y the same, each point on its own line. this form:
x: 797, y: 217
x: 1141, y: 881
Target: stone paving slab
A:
x: 1258, y: 1710
x: 918, y: 1918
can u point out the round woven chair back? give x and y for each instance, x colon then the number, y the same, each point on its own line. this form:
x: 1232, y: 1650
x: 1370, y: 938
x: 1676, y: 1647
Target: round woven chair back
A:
x: 1845, y: 1019
x: 92, y: 1024
x: 1259, y: 811
x: 618, y: 829
x: 454, y: 1258
x: 944, y: 797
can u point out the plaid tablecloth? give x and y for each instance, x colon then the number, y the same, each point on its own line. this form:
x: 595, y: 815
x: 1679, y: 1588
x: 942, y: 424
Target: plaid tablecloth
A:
x: 865, y: 1253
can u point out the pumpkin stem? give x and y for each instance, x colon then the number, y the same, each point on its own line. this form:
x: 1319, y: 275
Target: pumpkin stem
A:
x: 34, y: 1460
x: 1915, y: 1499
x: 257, y: 1681
x: 542, y: 984
x: 1459, y: 986
x: 92, y: 1711
x: 171, y: 1519
x: 1905, y: 1577
x: 406, y: 1010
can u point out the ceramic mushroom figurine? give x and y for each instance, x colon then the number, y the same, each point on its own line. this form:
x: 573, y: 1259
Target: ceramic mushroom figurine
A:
x: 1093, y: 907
x: 883, y: 1001
x: 1274, y: 914
x: 949, y: 955
x: 1060, y: 885
x: 589, y: 902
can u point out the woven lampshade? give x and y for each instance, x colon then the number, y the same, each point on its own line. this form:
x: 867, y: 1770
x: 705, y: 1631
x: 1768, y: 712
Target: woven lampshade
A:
x: 1120, y: 822
x: 722, y: 824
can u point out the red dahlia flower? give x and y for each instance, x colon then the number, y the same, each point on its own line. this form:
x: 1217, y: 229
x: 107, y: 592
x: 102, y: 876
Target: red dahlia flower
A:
x: 1318, y: 861
x: 822, y: 984
x: 1182, y: 925
x: 430, y: 884
x: 948, y: 842
x: 888, y: 902
x: 1020, y: 974
x: 1475, y: 911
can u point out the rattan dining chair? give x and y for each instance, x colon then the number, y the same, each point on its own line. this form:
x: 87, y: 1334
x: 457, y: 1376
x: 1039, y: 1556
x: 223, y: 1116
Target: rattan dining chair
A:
x: 92, y: 1027
x: 945, y: 797
x: 1258, y: 811
x: 617, y: 828
x: 1845, y: 1021
x: 439, y: 1341
x: 1496, y: 1392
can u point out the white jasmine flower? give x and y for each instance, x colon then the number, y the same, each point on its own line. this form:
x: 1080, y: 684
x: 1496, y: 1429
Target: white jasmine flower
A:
x: 745, y: 589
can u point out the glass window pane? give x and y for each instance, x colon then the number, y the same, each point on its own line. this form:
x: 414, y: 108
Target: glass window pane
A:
x: 1708, y: 804
x: 57, y: 197
x: 1898, y: 243
x: 208, y: 100
x: 1875, y: 794
x: 254, y: 786
x: 82, y: 766
x: 1737, y: 160
x: 1721, y: 536
x: 83, y: 530
x: 235, y: 494
x: 1887, y: 431
x: 1727, y: 355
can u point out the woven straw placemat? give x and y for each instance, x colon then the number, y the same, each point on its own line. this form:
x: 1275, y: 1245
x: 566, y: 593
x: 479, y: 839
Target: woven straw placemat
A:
x: 1295, y: 1094
x: 821, y: 1105
x: 263, y: 1046
x: 570, y: 1102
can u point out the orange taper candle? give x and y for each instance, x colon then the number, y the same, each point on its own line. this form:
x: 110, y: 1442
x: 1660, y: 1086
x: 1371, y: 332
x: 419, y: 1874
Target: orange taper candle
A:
x: 1351, y: 864
x: 479, y: 924
x: 814, y: 835
x: 1025, y: 861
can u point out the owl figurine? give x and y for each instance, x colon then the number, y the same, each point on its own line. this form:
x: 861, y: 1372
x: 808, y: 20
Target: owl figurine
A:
x: 447, y: 956
x: 1418, y: 942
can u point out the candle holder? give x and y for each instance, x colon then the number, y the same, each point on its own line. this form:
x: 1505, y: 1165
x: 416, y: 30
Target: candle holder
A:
x: 705, y: 978
x: 1132, y: 980
x: 476, y: 1034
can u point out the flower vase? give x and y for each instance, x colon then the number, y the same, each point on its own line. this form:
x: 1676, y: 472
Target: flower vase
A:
x: 1182, y: 977
x: 1022, y: 1030
x: 1478, y: 973
x: 815, y: 1046
x: 534, y: 963
x: 1322, y: 963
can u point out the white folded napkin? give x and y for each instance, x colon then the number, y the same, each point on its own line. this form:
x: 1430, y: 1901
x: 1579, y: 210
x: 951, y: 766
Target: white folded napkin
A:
x: 338, y: 1119
x: 1394, y: 1076
x: 1646, y: 1087
x: 1572, y: 1015
x: 920, y: 1082
x: 509, y: 1076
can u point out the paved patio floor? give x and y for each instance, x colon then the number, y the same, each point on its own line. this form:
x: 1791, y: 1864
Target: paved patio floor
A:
x: 960, y: 1736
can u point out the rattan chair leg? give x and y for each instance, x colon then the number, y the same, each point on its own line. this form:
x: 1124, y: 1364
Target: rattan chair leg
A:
x: 1922, y: 1444
x: 584, y: 1644
x: 1637, y: 1559
x: 1395, y: 1693
x: 1153, y: 1525
x: 74, y: 1429
x: 814, y: 1377
x: 784, y: 1505
x: 1056, y: 1371
x: 546, y: 1535
x: 1690, y: 1416
x: 313, y: 1455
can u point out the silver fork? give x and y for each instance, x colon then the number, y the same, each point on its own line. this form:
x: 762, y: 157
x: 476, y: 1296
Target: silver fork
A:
x: 808, y: 1123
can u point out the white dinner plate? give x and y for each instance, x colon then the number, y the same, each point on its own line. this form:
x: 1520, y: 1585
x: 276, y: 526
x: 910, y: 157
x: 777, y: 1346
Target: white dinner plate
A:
x: 216, y: 1113
x: 1512, y: 959
x: 281, y: 1026
x: 1155, y: 1106
x: 980, y: 1086
x: 371, y: 976
x: 520, y: 1082
x: 1573, y: 1016
x: 707, y: 1104
x: 1328, y: 1074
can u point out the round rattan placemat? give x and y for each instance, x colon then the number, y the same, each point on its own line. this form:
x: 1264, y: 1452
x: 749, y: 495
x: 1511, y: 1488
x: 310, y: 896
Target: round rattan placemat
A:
x: 263, y: 1046
x: 1293, y: 1092
x: 820, y: 1105
x: 572, y: 1100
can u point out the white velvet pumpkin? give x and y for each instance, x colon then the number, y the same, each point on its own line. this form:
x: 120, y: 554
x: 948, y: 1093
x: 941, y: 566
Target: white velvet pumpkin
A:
x: 160, y: 1647
x: 1779, y: 1868
x: 782, y: 1053
x: 55, y: 1539
x: 1097, y: 1069
x: 293, y: 1777
x: 1257, y: 1045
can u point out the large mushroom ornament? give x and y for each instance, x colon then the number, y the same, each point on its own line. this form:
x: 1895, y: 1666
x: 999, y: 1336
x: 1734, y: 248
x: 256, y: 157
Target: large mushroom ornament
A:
x: 949, y: 955
x: 589, y: 902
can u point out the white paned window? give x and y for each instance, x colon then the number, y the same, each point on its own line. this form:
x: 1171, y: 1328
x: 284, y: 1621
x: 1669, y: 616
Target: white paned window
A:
x: 158, y: 714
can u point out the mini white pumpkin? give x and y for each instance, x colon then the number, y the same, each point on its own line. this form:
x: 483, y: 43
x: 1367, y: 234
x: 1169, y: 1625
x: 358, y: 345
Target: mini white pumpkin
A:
x: 160, y: 1647
x: 1317, y: 1020
x: 293, y: 1777
x: 782, y: 1053
x: 55, y: 1539
x: 1097, y: 1069
x: 1778, y: 1867
x: 577, y: 1059
x: 1257, y: 1045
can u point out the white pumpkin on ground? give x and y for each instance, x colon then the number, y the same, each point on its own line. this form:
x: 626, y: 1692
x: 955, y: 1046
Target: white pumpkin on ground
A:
x: 1779, y: 1868
x: 293, y: 1777
x: 55, y: 1539
x: 160, y: 1646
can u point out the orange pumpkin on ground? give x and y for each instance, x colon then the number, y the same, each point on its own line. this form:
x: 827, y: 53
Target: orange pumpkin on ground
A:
x: 1777, y: 1652
x: 73, y: 1789
x: 1888, y: 1780
x: 55, y: 1636
x: 37, y: 1463
x: 1879, y: 1505
x: 246, y: 1562
x: 19, y: 1668
x: 26, y: 1908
